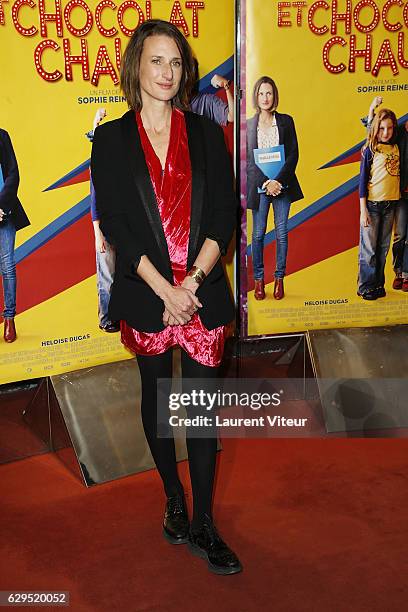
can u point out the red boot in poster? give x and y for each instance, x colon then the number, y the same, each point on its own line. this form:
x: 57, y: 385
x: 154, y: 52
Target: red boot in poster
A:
x: 278, y: 292
x: 259, y: 289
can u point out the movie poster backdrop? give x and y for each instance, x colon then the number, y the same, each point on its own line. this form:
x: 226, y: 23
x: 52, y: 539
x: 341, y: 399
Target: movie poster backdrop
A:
x: 329, y: 60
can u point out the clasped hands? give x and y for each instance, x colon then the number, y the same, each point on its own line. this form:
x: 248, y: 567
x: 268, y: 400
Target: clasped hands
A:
x: 180, y: 303
x: 272, y: 187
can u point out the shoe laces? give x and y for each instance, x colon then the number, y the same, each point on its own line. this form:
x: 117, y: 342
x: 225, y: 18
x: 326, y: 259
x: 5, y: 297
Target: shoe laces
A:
x: 176, y: 504
x: 224, y: 553
x: 212, y: 532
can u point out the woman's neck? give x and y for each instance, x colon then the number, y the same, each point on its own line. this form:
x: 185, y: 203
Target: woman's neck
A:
x: 156, y: 115
x: 266, y: 116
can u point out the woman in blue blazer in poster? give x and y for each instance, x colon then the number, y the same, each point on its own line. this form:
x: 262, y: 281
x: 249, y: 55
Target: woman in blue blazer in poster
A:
x: 268, y: 128
x: 12, y: 218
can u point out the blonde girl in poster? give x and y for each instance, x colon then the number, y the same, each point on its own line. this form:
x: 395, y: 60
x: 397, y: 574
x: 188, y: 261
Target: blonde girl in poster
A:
x: 379, y: 191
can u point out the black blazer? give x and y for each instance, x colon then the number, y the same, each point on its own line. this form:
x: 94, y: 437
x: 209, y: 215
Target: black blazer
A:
x: 287, y: 176
x: 9, y: 201
x: 402, y: 141
x: 130, y: 218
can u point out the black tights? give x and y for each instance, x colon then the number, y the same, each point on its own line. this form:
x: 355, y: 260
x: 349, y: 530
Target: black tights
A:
x: 201, y: 450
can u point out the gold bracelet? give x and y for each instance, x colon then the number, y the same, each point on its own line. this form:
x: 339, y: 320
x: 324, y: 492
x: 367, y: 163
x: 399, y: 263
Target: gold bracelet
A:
x: 197, y: 274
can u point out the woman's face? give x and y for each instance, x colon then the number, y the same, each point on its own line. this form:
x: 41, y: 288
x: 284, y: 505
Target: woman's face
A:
x: 160, y: 68
x: 265, y: 96
x: 386, y: 130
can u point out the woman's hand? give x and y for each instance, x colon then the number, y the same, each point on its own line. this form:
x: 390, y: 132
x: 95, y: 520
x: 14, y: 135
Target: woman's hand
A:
x: 364, y: 218
x: 168, y: 319
x: 191, y: 285
x: 273, y: 188
x: 180, y: 303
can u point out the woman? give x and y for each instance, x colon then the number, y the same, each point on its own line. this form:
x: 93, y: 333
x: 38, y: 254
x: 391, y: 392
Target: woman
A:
x: 266, y: 129
x: 12, y: 218
x: 163, y: 184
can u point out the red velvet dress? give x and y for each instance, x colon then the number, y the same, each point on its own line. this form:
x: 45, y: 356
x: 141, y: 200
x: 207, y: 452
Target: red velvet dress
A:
x: 173, y: 194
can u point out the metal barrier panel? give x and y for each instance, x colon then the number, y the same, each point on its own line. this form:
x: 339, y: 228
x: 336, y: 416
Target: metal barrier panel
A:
x: 96, y: 427
x: 362, y: 377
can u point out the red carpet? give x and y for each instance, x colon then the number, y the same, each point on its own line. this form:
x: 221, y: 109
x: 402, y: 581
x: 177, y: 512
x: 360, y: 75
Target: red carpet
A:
x: 318, y: 525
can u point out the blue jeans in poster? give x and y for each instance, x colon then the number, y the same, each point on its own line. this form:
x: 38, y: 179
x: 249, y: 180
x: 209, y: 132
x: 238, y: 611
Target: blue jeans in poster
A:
x: 400, y: 234
x: 105, y: 271
x: 8, y: 267
x: 281, y: 206
x: 374, y: 245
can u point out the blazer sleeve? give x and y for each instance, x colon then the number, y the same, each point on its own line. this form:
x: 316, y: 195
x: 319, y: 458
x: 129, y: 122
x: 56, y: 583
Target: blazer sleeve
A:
x: 114, y: 221
x: 8, y: 194
x: 221, y: 191
x: 291, y: 153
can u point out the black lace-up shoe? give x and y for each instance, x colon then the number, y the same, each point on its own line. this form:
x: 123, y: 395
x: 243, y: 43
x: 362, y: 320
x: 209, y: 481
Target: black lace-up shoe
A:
x: 207, y: 544
x: 175, y: 522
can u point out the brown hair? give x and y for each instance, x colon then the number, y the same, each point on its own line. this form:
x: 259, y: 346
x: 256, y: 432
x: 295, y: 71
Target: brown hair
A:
x: 129, y: 71
x: 372, y: 138
x: 271, y: 82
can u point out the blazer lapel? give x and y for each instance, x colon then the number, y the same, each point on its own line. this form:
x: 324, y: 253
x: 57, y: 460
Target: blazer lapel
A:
x: 143, y: 183
x: 280, y: 126
x: 195, y: 144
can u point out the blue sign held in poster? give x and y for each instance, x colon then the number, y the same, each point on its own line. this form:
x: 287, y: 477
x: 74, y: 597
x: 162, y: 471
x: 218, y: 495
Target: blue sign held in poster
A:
x: 270, y: 161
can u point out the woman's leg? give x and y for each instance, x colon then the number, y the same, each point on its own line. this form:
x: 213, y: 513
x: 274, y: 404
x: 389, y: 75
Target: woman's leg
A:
x: 259, y: 222
x: 8, y: 267
x: 151, y: 368
x: 201, y: 444
x: 281, y: 206
x: 204, y: 539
